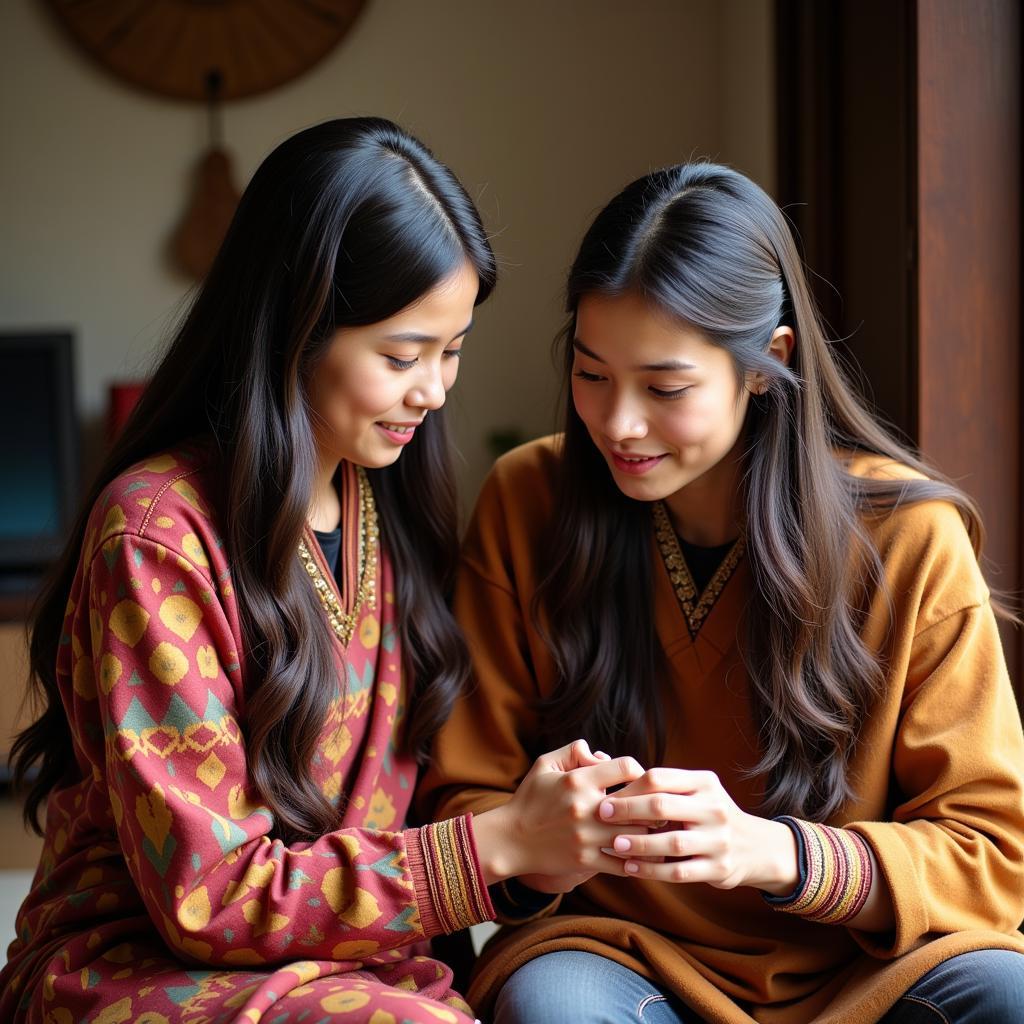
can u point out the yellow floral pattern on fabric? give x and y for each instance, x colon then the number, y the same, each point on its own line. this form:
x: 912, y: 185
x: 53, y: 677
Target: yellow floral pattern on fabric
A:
x: 164, y: 823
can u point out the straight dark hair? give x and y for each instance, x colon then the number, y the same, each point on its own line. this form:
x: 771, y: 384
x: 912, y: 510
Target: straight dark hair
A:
x: 705, y: 245
x: 344, y: 224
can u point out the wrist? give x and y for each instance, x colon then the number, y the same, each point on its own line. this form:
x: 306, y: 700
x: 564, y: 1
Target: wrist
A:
x: 781, y: 865
x: 496, y: 845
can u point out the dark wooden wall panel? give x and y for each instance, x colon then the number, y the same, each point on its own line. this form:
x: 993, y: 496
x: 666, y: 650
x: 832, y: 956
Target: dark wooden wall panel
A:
x: 968, y: 264
x: 846, y: 158
x: 899, y: 162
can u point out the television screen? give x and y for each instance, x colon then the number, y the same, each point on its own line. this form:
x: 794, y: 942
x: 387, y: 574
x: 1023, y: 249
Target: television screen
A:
x: 39, y: 453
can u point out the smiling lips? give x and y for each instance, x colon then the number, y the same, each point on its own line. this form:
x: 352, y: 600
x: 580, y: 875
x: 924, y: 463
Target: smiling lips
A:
x: 635, y: 465
x: 398, y: 433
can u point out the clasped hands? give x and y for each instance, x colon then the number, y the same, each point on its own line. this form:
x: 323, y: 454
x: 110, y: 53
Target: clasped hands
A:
x: 562, y: 826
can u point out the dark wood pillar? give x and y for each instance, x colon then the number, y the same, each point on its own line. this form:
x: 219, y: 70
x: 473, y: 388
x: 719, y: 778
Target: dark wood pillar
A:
x: 968, y: 265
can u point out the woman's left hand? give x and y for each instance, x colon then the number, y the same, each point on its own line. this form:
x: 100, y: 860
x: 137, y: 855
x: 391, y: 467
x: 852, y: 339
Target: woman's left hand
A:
x: 703, y: 836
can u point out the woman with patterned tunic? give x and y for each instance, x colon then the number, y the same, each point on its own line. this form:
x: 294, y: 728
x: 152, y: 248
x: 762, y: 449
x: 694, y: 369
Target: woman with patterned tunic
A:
x: 726, y: 567
x: 246, y: 647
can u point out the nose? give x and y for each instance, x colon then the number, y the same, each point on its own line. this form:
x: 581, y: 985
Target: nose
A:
x: 428, y: 392
x: 624, y: 421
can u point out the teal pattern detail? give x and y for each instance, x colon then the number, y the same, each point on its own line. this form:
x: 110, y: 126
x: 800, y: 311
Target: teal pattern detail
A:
x: 111, y: 553
x: 298, y: 878
x: 388, y: 865
x: 161, y: 863
x: 403, y: 922
x: 136, y: 718
x: 179, y: 715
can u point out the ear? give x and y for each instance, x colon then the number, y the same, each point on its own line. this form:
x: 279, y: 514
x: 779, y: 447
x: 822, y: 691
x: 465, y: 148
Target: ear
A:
x: 781, y: 347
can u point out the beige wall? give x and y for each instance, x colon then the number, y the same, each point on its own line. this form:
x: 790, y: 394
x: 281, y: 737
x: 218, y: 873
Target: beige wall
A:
x: 544, y: 108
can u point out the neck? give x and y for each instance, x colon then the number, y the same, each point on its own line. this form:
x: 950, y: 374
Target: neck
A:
x: 707, y: 511
x: 324, y: 506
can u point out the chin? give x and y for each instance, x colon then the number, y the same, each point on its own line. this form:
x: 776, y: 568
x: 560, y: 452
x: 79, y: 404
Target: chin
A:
x: 371, y: 457
x: 650, y: 489
x: 640, y: 490
x: 382, y: 461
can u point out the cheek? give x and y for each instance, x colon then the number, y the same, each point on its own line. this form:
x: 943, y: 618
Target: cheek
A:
x: 708, y: 421
x: 364, y: 390
x: 586, y: 402
x: 684, y: 423
x: 449, y: 373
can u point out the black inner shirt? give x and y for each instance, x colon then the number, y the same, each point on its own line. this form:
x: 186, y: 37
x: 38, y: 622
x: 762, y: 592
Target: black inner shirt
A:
x: 703, y: 563
x: 330, y: 545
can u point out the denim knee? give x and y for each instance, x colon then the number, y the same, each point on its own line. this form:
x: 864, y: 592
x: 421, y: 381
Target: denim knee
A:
x: 983, y: 987
x: 584, y: 988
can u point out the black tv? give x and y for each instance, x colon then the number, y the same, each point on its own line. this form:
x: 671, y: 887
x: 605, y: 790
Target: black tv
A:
x: 39, y: 453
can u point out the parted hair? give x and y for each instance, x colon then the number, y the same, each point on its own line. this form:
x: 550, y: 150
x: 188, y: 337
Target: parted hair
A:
x: 343, y: 224
x: 707, y: 246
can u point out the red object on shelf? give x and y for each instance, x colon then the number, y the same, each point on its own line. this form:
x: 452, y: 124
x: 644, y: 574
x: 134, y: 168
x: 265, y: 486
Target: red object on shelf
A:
x: 123, y: 396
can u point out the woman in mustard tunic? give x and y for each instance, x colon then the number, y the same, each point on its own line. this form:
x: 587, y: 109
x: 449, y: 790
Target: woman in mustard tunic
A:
x: 246, y: 647
x: 726, y: 568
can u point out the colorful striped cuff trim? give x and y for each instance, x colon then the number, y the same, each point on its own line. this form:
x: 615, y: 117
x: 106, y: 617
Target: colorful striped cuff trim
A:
x: 453, y: 874
x: 836, y: 866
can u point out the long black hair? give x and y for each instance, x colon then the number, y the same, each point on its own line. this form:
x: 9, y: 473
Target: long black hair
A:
x: 704, y: 244
x: 344, y: 224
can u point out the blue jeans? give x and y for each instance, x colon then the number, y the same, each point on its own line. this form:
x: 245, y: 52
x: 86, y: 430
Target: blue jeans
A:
x: 985, y: 987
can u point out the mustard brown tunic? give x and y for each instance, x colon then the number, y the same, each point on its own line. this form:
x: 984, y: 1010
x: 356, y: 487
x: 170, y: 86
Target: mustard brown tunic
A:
x: 163, y: 895
x: 937, y: 771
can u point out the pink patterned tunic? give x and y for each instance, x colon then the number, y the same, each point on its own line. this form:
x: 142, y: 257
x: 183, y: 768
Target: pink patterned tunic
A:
x: 161, y: 895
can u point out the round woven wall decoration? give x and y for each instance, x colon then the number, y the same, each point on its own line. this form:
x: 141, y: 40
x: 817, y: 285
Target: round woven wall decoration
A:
x: 170, y: 46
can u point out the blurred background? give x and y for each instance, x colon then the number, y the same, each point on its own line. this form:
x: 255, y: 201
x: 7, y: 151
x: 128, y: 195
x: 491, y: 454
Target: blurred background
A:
x: 543, y: 108
x: 889, y: 130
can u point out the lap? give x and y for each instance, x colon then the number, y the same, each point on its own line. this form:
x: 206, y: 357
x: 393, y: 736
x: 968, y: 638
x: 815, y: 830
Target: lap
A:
x: 584, y: 988
x: 983, y: 987
x: 161, y: 991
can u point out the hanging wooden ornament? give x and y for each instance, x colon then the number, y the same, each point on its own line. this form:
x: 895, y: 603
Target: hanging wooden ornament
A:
x: 210, y: 50
x: 195, y: 243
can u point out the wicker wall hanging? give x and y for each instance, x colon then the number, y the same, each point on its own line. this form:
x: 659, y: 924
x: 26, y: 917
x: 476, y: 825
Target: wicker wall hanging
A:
x: 210, y: 51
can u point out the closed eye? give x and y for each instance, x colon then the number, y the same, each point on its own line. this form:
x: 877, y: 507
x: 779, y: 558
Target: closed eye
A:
x: 676, y: 393
x: 583, y: 375
x: 401, y: 364
x: 453, y: 353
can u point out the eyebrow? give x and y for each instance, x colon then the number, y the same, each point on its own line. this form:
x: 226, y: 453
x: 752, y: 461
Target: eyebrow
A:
x: 668, y: 364
x: 416, y: 336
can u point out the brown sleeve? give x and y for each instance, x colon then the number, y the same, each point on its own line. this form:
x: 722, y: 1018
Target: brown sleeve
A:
x: 952, y: 855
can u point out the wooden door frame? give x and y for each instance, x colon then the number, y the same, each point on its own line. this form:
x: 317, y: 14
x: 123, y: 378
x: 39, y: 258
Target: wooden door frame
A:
x: 931, y: 315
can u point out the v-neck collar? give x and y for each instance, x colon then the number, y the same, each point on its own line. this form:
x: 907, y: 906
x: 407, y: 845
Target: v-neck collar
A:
x: 696, y: 607
x: 343, y: 593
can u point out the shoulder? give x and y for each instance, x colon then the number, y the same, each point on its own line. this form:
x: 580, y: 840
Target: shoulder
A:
x: 534, y: 462
x: 876, y: 467
x: 924, y: 543
x: 522, y: 482
x: 514, y: 508
x: 166, y: 499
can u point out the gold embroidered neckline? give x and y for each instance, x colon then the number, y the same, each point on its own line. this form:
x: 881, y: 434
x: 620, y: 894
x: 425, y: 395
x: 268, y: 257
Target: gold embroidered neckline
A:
x: 696, y: 607
x: 344, y: 622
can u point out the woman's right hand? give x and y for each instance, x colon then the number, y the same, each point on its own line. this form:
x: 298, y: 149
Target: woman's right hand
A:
x: 551, y: 827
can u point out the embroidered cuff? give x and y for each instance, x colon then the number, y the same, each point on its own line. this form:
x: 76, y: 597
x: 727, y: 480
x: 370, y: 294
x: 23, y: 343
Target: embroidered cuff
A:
x: 448, y: 877
x: 835, y: 873
x: 782, y: 902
